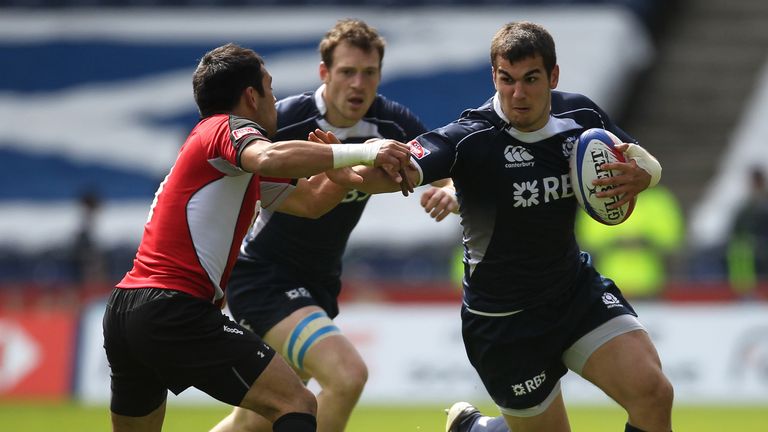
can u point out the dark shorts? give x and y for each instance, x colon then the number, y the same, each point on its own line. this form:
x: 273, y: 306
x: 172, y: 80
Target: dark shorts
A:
x: 261, y: 294
x: 520, y: 357
x: 158, y: 340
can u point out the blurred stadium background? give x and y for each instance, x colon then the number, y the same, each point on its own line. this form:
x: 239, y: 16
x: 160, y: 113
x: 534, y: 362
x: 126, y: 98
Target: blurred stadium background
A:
x: 95, y: 99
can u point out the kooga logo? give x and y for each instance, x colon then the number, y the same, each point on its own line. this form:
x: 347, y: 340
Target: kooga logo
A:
x: 233, y: 330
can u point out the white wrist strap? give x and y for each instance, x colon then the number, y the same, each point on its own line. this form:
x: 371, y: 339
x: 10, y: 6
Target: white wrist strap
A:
x: 345, y: 155
x: 645, y: 161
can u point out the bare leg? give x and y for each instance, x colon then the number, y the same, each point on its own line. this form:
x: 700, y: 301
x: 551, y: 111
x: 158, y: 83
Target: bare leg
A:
x: 554, y: 419
x: 333, y: 362
x: 645, y: 393
x: 342, y: 374
x: 279, y: 391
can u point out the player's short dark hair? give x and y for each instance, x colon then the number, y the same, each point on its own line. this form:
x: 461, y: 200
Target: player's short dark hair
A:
x: 222, y: 75
x: 520, y: 40
x: 356, y: 33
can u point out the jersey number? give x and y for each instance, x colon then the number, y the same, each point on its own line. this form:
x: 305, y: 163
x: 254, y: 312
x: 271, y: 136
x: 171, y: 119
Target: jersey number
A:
x: 355, y: 195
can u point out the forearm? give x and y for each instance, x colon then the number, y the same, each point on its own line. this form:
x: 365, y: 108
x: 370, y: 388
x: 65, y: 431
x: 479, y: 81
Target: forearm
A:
x: 375, y: 180
x: 294, y: 159
x: 313, y: 197
x: 304, y: 158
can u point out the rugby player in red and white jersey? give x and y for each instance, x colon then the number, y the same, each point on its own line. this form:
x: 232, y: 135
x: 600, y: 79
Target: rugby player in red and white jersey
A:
x: 163, y: 327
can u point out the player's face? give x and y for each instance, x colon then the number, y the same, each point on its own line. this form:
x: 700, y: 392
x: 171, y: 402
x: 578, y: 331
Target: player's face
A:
x: 266, y: 114
x: 525, y: 91
x: 350, y: 84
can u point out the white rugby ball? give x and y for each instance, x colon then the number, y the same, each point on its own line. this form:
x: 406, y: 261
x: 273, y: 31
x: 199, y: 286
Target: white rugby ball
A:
x: 594, y: 148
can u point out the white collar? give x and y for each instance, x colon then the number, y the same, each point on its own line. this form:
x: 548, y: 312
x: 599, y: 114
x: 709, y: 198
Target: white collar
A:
x: 319, y: 101
x: 554, y: 125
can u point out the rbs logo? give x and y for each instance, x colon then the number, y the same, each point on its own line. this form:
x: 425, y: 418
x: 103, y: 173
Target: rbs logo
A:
x: 530, y: 385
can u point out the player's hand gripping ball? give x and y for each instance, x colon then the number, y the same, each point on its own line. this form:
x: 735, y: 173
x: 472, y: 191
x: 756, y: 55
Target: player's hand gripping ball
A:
x: 594, y: 148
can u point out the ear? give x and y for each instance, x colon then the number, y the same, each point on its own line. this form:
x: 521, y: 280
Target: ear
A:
x: 554, y: 77
x: 324, y: 72
x: 251, y: 98
x: 493, y: 77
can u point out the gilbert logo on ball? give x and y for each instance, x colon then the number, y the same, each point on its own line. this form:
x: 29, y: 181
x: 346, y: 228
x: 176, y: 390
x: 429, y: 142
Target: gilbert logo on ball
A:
x: 594, y: 148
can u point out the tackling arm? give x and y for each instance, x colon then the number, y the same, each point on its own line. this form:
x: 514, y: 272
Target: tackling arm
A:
x: 313, y: 197
x: 298, y: 159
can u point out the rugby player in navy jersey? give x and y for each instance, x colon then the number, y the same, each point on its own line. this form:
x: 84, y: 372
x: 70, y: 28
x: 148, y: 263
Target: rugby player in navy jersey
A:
x: 287, y: 278
x: 533, y: 305
x: 163, y: 326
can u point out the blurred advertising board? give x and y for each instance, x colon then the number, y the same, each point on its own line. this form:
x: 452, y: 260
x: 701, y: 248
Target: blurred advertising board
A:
x: 37, y: 354
x: 713, y: 353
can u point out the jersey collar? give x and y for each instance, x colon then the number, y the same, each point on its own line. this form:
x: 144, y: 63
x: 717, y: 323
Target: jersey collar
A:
x: 553, y: 127
x: 319, y: 101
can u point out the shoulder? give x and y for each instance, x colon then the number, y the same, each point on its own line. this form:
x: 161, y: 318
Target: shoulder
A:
x: 585, y: 112
x: 479, y: 121
x: 473, y: 126
x: 228, y: 127
x: 296, y: 108
x: 241, y: 126
x: 388, y: 108
x: 578, y: 107
x: 384, y: 110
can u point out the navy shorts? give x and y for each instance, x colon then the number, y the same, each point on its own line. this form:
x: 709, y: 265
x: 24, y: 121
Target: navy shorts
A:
x: 260, y: 294
x: 519, y: 357
x: 158, y: 340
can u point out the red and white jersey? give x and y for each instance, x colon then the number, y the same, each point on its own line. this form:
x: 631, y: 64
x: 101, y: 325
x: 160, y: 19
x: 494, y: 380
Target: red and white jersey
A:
x: 202, y: 210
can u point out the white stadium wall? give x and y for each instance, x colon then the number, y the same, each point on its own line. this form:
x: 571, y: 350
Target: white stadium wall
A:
x: 713, y: 354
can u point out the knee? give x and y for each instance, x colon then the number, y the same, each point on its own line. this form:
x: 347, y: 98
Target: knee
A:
x: 662, y: 390
x: 304, y: 402
x: 656, y: 392
x: 350, y: 380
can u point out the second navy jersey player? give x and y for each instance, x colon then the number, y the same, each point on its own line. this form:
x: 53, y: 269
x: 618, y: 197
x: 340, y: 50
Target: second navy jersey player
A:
x: 309, y: 251
x: 518, y: 234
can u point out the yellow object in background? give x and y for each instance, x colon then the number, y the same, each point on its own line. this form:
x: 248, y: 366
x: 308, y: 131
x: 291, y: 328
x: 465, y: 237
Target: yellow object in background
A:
x: 635, y: 253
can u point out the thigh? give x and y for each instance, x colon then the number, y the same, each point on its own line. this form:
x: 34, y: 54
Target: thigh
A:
x: 517, y: 358
x: 608, y: 365
x: 137, y: 390
x: 278, y: 391
x: 190, y: 342
x: 312, y: 344
x: 260, y: 295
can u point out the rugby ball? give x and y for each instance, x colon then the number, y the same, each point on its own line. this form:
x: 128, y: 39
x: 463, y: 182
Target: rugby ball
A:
x: 593, y: 148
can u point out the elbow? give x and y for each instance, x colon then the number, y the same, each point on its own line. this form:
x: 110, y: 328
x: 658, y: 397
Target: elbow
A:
x: 309, y: 211
x: 316, y: 212
x: 263, y: 162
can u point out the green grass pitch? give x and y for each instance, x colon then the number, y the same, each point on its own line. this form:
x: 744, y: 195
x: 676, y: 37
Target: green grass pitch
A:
x: 72, y: 417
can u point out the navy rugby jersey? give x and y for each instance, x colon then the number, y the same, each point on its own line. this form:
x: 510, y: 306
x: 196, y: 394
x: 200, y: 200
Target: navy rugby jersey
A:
x: 517, y: 204
x: 311, y: 249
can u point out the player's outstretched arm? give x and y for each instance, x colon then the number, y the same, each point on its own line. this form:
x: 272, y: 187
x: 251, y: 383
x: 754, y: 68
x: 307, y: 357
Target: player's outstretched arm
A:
x: 385, y: 178
x: 297, y: 159
x: 313, y: 197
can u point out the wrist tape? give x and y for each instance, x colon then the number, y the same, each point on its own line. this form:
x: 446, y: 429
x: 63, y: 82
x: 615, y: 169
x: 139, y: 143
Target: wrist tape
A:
x: 645, y: 161
x: 345, y: 155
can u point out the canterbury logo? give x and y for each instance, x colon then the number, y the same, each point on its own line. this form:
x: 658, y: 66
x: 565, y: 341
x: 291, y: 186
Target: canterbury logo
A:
x: 518, y: 157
